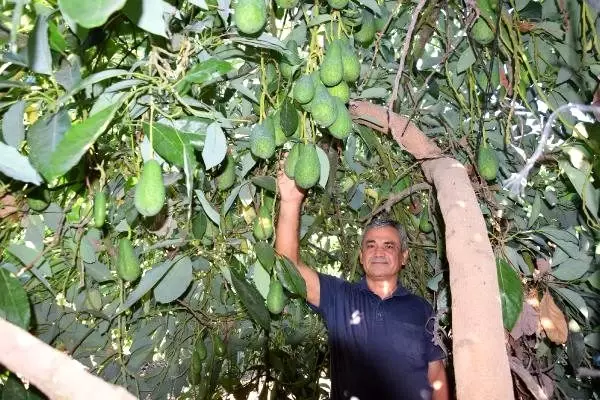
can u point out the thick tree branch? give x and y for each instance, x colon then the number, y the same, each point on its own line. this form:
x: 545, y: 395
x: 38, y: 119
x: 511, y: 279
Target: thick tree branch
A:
x: 56, y: 374
x: 481, y: 364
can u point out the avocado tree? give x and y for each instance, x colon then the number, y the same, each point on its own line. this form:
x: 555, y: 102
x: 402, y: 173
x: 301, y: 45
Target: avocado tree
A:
x: 139, y: 148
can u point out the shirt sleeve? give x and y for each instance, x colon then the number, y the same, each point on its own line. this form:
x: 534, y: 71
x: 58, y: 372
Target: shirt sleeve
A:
x: 434, y: 352
x: 331, y: 291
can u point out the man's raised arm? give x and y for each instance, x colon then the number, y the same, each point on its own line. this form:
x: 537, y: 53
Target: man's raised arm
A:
x: 287, y: 241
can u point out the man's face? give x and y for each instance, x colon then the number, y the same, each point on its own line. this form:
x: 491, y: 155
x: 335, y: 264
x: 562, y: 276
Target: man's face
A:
x: 381, y: 255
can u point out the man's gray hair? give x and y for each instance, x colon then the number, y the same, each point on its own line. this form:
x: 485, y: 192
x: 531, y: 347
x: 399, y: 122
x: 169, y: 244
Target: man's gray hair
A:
x: 383, y: 222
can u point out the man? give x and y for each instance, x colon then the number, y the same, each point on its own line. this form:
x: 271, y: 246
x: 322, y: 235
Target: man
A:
x: 379, y: 334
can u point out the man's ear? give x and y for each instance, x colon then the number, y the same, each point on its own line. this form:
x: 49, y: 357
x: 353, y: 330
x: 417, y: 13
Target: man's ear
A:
x: 404, y: 257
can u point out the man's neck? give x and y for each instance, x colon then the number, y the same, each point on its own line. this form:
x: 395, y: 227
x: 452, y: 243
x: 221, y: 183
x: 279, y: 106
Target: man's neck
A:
x: 382, y: 288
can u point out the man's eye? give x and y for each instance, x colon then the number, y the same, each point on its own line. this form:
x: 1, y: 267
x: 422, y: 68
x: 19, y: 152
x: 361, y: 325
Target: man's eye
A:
x: 389, y: 246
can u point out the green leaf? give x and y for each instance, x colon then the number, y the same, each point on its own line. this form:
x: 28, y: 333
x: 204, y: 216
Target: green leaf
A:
x: 574, y: 299
x: 581, y: 183
x: 467, y: 58
x: 593, y: 340
x: 288, y: 118
x: 148, y: 281
x: 265, y: 254
x: 266, y: 182
x: 215, y: 146
x: 594, y: 279
x: 207, y: 70
x: 535, y: 210
x: 90, y: 14
x: 15, y: 165
x: 563, y: 239
x: 251, y: 299
x: 168, y: 142
x: 90, y: 246
x: 76, y: 141
x: 374, y: 93
x: 14, y: 389
x: 175, y: 282
x: 57, y: 40
x: 13, y: 129
x: 261, y: 279
x: 91, y: 80
x: 38, y: 48
x: 14, y: 305
x: 511, y: 293
x: 44, y: 135
x: 208, y: 208
x: 572, y: 269
x: 289, y: 277
x: 265, y: 41
x: 324, y: 166
x: 148, y: 15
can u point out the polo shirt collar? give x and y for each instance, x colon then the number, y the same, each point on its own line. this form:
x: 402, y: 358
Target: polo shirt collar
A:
x: 400, y: 290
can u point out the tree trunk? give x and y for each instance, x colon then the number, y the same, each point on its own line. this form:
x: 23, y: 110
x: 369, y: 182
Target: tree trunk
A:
x: 481, y: 364
x: 56, y: 374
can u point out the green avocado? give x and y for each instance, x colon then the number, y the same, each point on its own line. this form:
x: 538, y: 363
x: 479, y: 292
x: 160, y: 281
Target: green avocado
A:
x: 323, y: 107
x: 39, y: 199
x: 331, y: 70
x: 226, y: 177
x: 128, y: 265
x: 337, y: 4
x: 263, y: 224
x: 99, y: 209
x: 250, y: 15
x: 366, y: 34
x: 262, y: 139
x: 150, y: 190
x: 218, y: 346
x: 292, y: 158
x: 487, y: 162
x: 341, y: 90
x: 424, y: 223
x: 342, y: 126
x: 481, y: 32
x: 287, y: 4
x: 275, y: 297
x: 304, y: 89
x: 350, y: 63
x: 308, y: 167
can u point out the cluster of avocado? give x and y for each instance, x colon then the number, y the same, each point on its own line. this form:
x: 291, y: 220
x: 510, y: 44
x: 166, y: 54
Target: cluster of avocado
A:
x: 325, y: 92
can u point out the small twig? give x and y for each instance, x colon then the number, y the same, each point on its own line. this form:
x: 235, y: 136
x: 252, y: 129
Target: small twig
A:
x: 534, y: 388
x: 405, y: 48
x: 396, y: 197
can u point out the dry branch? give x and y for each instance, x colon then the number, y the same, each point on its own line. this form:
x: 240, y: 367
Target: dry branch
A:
x: 56, y: 374
x: 481, y: 364
x: 534, y: 388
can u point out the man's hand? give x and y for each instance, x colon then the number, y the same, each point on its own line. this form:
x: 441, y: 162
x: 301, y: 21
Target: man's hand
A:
x: 288, y: 191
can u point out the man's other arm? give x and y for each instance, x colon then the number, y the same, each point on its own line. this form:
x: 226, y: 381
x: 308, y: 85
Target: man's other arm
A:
x: 438, y: 380
x: 287, y: 241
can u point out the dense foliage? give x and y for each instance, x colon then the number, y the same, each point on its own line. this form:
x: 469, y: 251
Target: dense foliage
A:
x: 141, y: 140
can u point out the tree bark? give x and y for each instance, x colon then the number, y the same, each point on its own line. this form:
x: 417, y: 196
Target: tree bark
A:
x: 481, y: 364
x: 56, y: 374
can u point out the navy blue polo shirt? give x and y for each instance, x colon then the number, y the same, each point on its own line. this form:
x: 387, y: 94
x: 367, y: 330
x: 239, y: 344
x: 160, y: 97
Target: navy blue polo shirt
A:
x: 380, y: 349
